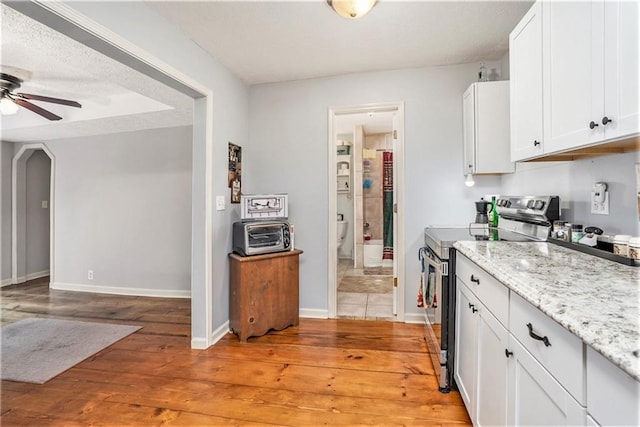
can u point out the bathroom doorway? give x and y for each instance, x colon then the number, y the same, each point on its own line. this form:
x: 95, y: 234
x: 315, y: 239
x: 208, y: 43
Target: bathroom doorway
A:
x: 366, y: 164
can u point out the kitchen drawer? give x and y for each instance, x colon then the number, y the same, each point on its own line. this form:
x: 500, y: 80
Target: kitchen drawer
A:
x: 563, y: 357
x: 612, y: 395
x: 493, y: 294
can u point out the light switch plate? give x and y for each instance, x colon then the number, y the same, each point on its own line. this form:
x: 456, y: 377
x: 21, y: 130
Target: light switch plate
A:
x: 219, y: 203
x: 45, y: 204
x: 597, y: 207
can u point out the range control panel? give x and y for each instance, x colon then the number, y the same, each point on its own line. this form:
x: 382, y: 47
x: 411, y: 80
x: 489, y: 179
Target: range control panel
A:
x: 537, y: 208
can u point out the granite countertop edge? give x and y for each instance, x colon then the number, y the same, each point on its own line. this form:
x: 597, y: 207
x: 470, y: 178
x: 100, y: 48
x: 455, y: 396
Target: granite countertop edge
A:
x: 622, y: 349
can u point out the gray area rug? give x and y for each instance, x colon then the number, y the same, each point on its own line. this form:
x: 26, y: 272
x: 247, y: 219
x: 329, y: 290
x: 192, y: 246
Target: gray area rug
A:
x: 35, y: 350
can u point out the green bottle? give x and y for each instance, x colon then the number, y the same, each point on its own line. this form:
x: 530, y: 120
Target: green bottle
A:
x: 493, y: 214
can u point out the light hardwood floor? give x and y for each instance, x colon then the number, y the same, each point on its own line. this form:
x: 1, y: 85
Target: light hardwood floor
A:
x: 323, y: 372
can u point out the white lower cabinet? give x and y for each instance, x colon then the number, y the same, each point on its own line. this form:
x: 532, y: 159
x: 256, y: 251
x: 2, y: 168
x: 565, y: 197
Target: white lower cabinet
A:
x: 480, y: 368
x: 535, y: 397
x: 508, y: 375
x: 613, y: 397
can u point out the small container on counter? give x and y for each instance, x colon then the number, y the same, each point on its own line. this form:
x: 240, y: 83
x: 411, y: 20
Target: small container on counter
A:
x: 557, y: 232
x: 621, y: 245
x: 634, y: 248
x: 577, y: 233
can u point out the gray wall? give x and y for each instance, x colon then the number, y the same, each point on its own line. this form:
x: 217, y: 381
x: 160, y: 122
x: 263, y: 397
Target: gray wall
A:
x: 6, y: 156
x: 572, y: 181
x: 38, y: 178
x: 288, y: 125
x: 123, y: 210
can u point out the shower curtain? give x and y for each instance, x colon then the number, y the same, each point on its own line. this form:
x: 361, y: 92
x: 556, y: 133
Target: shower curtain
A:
x: 387, y: 204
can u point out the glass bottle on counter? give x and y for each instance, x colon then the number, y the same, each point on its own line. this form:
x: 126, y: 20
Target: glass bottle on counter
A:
x: 493, y: 213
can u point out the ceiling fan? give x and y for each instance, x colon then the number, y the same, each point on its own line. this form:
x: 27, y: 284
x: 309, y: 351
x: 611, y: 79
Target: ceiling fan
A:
x: 9, y: 83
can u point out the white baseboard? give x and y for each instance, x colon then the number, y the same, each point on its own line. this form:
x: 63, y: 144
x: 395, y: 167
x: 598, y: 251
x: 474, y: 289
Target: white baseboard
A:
x: 5, y: 282
x: 414, y: 318
x: 37, y: 275
x: 220, y: 333
x: 114, y: 290
x: 217, y: 335
x: 314, y: 313
x: 198, y: 343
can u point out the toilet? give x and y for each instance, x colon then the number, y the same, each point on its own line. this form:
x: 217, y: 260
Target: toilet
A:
x: 341, y: 232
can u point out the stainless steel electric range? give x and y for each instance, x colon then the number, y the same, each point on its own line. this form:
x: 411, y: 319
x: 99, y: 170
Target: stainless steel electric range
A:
x: 522, y: 218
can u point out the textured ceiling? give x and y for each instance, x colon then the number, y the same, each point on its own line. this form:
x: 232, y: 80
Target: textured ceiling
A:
x: 273, y: 41
x: 114, y: 97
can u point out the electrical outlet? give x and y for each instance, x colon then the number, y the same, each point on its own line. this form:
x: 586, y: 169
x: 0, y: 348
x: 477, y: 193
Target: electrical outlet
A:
x: 90, y: 275
x: 597, y: 207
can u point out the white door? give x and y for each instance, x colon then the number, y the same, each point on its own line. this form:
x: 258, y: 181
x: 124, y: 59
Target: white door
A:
x: 493, y: 340
x: 535, y: 397
x: 466, y: 346
x: 525, y: 62
x: 573, y: 59
x: 469, y: 130
x: 621, y: 69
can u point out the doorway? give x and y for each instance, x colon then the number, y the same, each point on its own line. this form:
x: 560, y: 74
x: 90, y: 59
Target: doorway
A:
x: 32, y: 239
x: 366, y: 165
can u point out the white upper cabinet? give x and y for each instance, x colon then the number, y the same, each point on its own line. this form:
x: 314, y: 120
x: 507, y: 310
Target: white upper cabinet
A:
x: 485, y: 111
x: 572, y: 34
x: 589, y: 56
x: 525, y: 63
x: 621, y: 69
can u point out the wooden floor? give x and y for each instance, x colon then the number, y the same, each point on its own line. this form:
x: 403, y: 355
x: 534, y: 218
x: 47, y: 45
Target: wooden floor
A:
x: 323, y: 372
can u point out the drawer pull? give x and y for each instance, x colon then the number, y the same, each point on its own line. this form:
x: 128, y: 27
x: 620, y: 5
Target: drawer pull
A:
x: 475, y: 280
x: 535, y: 336
x: 508, y: 353
x: 473, y: 308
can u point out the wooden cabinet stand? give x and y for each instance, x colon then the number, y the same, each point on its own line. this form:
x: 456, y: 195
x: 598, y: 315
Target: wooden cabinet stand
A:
x: 264, y: 293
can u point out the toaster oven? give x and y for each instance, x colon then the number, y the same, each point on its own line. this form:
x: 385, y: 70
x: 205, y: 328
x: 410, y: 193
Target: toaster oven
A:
x: 261, y: 237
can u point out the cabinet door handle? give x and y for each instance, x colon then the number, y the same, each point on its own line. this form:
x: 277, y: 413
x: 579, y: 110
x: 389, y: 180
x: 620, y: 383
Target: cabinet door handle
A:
x: 536, y: 143
x: 535, y: 336
x: 473, y: 308
x: 508, y: 353
x: 475, y: 280
x: 606, y: 120
x: 592, y: 125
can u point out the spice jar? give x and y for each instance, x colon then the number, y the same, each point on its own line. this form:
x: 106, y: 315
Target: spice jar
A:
x: 634, y: 248
x: 621, y: 245
x: 577, y: 233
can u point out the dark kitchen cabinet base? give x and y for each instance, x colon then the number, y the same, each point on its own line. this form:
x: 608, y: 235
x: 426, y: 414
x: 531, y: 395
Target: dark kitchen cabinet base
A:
x: 264, y: 293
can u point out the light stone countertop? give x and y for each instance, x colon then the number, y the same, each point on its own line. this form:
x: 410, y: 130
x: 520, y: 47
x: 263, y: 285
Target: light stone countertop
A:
x: 596, y: 299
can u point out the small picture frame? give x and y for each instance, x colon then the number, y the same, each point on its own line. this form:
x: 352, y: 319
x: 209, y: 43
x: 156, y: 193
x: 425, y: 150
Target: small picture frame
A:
x: 235, y: 172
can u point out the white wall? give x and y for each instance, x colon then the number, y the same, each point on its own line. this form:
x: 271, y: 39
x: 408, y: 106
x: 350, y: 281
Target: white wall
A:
x: 123, y: 210
x: 38, y: 178
x: 6, y: 156
x: 572, y: 181
x: 288, y: 128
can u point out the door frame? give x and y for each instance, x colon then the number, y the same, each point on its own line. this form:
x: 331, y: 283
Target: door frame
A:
x: 398, y: 158
x: 68, y: 21
x: 18, y: 170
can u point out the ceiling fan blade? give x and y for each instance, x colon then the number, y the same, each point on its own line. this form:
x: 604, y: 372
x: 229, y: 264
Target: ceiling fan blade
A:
x: 41, y: 111
x: 48, y: 99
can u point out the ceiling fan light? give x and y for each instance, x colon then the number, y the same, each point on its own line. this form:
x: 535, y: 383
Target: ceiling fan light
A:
x: 7, y: 107
x: 352, y: 9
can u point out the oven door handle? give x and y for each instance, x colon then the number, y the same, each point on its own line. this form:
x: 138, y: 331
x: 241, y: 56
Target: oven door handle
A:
x: 434, y: 264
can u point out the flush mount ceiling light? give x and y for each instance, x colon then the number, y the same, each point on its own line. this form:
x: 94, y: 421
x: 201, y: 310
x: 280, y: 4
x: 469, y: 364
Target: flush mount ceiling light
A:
x: 352, y: 9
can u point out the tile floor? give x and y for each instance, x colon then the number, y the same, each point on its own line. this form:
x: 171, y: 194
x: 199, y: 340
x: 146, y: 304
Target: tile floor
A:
x: 373, y: 299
